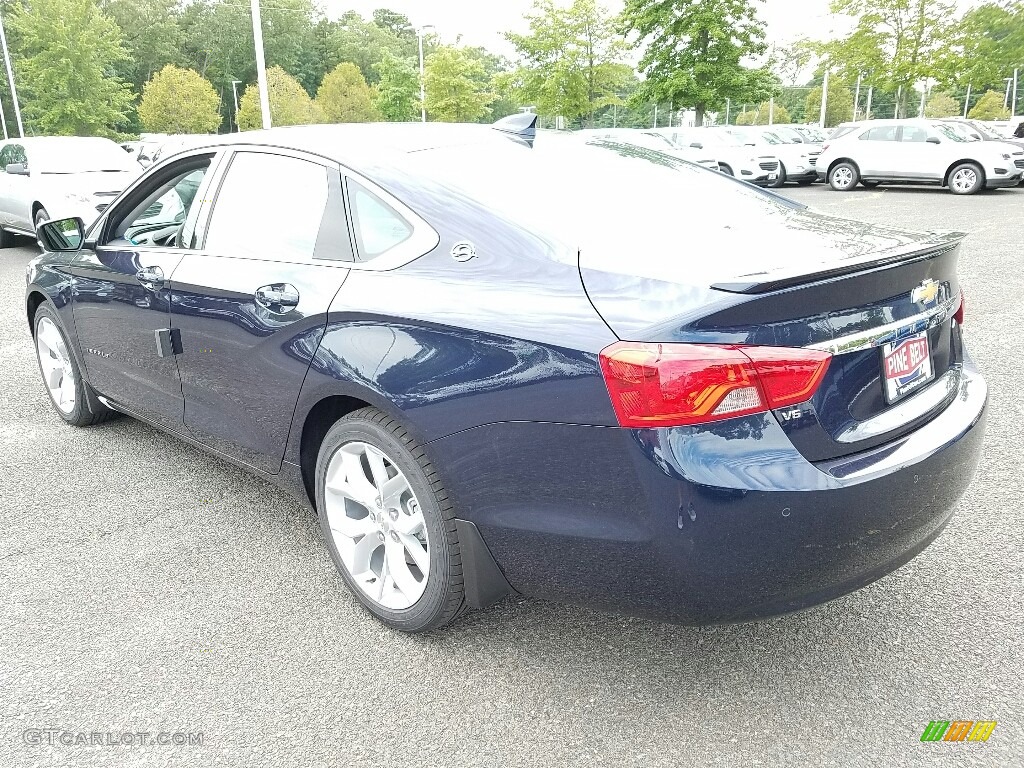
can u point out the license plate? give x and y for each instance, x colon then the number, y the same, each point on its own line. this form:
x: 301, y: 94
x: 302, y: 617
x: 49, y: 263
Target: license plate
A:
x: 773, y: 176
x: 906, y: 366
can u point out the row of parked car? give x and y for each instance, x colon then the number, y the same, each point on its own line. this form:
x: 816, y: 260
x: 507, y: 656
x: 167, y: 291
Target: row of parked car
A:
x: 965, y: 156
x: 44, y: 177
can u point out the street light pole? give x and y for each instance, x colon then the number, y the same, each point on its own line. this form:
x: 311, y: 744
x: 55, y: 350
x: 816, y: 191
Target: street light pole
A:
x: 856, y: 99
x: 261, y: 62
x: 10, y: 79
x: 234, y: 92
x: 824, y: 100
x: 1006, y: 98
x: 967, y: 101
x: 1013, y: 108
x: 423, y: 76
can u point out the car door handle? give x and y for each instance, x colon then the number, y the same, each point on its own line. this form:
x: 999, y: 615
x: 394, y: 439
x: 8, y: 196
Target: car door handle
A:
x: 277, y: 297
x: 150, y: 277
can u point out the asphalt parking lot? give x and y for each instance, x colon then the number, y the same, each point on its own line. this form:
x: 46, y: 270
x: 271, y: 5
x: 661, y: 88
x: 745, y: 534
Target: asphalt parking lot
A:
x: 147, y: 587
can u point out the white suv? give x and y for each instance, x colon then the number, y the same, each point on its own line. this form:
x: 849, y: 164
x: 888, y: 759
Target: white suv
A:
x: 734, y: 158
x: 917, y: 152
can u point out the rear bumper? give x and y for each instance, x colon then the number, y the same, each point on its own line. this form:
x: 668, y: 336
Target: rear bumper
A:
x: 716, y: 524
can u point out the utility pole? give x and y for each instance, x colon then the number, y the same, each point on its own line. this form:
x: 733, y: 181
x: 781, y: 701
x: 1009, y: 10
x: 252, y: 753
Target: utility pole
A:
x: 899, y: 98
x: 924, y: 95
x: 824, y: 100
x: 10, y: 79
x: 1006, y: 98
x: 423, y: 78
x: 771, y: 111
x: 856, y: 98
x: 867, y: 109
x: 967, y: 101
x: 1013, y: 108
x: 261, y: 62
x: 655, y: 116
x: 234, y: 92
x: 728, y: 109
x: 3, y: 119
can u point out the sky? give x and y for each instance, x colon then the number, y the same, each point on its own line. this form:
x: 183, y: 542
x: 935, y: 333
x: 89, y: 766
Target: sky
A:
x: 481, y: 22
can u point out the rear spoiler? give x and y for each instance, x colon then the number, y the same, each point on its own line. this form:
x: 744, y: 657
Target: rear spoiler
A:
x: 768, y: 282
x: 522, y: 126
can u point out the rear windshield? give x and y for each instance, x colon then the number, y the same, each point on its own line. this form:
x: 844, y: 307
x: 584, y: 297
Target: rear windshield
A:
x: 610, y: 196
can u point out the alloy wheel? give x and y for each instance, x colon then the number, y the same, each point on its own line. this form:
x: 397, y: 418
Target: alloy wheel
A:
x: 964, y: 179
x: 377, y: 525
x: 842, y: 177
x: 55, y: 363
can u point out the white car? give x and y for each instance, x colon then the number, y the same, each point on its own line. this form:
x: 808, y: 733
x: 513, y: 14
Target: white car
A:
x: 734, y: 158
x: 795, y: 162
x: 58, y: 177
x: 639, y: 137
x: 917, y: 152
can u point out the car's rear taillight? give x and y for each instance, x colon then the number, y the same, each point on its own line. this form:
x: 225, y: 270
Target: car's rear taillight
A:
x: 959, y: 316
x: 667, y: 385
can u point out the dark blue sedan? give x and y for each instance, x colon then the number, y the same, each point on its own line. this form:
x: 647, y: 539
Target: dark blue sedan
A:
x: 500, y: 363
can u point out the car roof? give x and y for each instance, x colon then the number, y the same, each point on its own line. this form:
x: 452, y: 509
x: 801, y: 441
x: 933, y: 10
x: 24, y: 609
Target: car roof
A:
x: 355, y: 143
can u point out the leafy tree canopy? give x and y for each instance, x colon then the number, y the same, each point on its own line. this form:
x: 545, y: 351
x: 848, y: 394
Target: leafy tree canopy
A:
x: 344, y: 96
x: 289, y: 103
x: 990, y: 107
x: 456, y: 86
x: 179, y: 100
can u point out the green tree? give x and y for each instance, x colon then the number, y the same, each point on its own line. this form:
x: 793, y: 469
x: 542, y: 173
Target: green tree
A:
x: 455, y: 86
x: 760, y: 114
x: 289, y: 103
x: 942, y: 105
x: 899, y: 42
x: 66, y: 53
x: 179, y: 100
x: 151, y: 35
x: 398, y: 90
x: 344, y: 96
x: 839, y: 108
x: 694, y: 49
x: 363, y: 43
x: 987, y: 44
x: 990, y: 107
x: 571, y: 60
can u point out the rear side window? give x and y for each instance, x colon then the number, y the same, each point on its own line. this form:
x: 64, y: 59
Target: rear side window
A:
x: 378, y: 226
x: 269, y: 207
x: 887, y: 133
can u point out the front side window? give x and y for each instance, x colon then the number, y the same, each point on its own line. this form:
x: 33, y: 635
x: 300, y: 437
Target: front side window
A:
x: 269, y: 207
x: 914, y: 135
x: 379, y: 228
x: 159, y: 217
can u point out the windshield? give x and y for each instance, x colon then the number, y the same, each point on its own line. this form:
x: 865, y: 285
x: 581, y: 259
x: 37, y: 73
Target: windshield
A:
x: 811, y: 134
x: 789, y: 134
x: 951, y: 133
x: 720, y: 138
x: 772, y: 138
x: 968, y: 132
x: 79, y: 156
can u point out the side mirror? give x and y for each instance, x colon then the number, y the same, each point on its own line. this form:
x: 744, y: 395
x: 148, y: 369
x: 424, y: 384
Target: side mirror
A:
x: 934, y: 140
x: 17, y: 169
x: 61, y: 235
x: 696, y: 145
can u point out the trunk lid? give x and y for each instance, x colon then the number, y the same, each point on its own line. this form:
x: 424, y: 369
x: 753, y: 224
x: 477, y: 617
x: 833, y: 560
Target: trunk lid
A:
x: 880, y: 300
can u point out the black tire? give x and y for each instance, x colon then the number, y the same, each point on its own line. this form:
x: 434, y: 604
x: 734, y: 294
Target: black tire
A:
x: 843, y: 176
x: 40, y: 217
x: 869, y: 184
x: 781, y: 180
x: 6, y: 239
x: 443, y: 599
x: 88, y: 410
x: 726, y: 169
x: 805, y: 182
x: 974, y: 171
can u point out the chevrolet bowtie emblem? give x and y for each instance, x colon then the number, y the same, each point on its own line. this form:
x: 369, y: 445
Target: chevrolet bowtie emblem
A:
x: 926, y: 293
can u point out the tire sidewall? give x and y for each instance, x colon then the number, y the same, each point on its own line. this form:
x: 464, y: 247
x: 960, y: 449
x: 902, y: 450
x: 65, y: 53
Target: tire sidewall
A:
x: 781, y: 181
x: 726, y: 169
x: 436, y: 596
x: 41, y: 216
x: 78, y: 413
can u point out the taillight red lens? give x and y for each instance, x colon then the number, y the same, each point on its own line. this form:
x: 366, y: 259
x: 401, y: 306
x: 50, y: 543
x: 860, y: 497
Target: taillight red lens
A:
x: 663, y: 385
x: 959, y: 316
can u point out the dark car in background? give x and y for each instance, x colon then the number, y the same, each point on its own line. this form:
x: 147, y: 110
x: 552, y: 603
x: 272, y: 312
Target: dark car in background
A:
x: 497, y: 363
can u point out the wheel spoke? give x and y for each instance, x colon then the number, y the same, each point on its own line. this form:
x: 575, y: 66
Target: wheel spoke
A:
x: 363, y: 551
x: 380, y: 473
x: 417, y: 551
x: 404, y: 580
x: 349, y: 479
x: 349, y: 527
x: 409, y: 524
